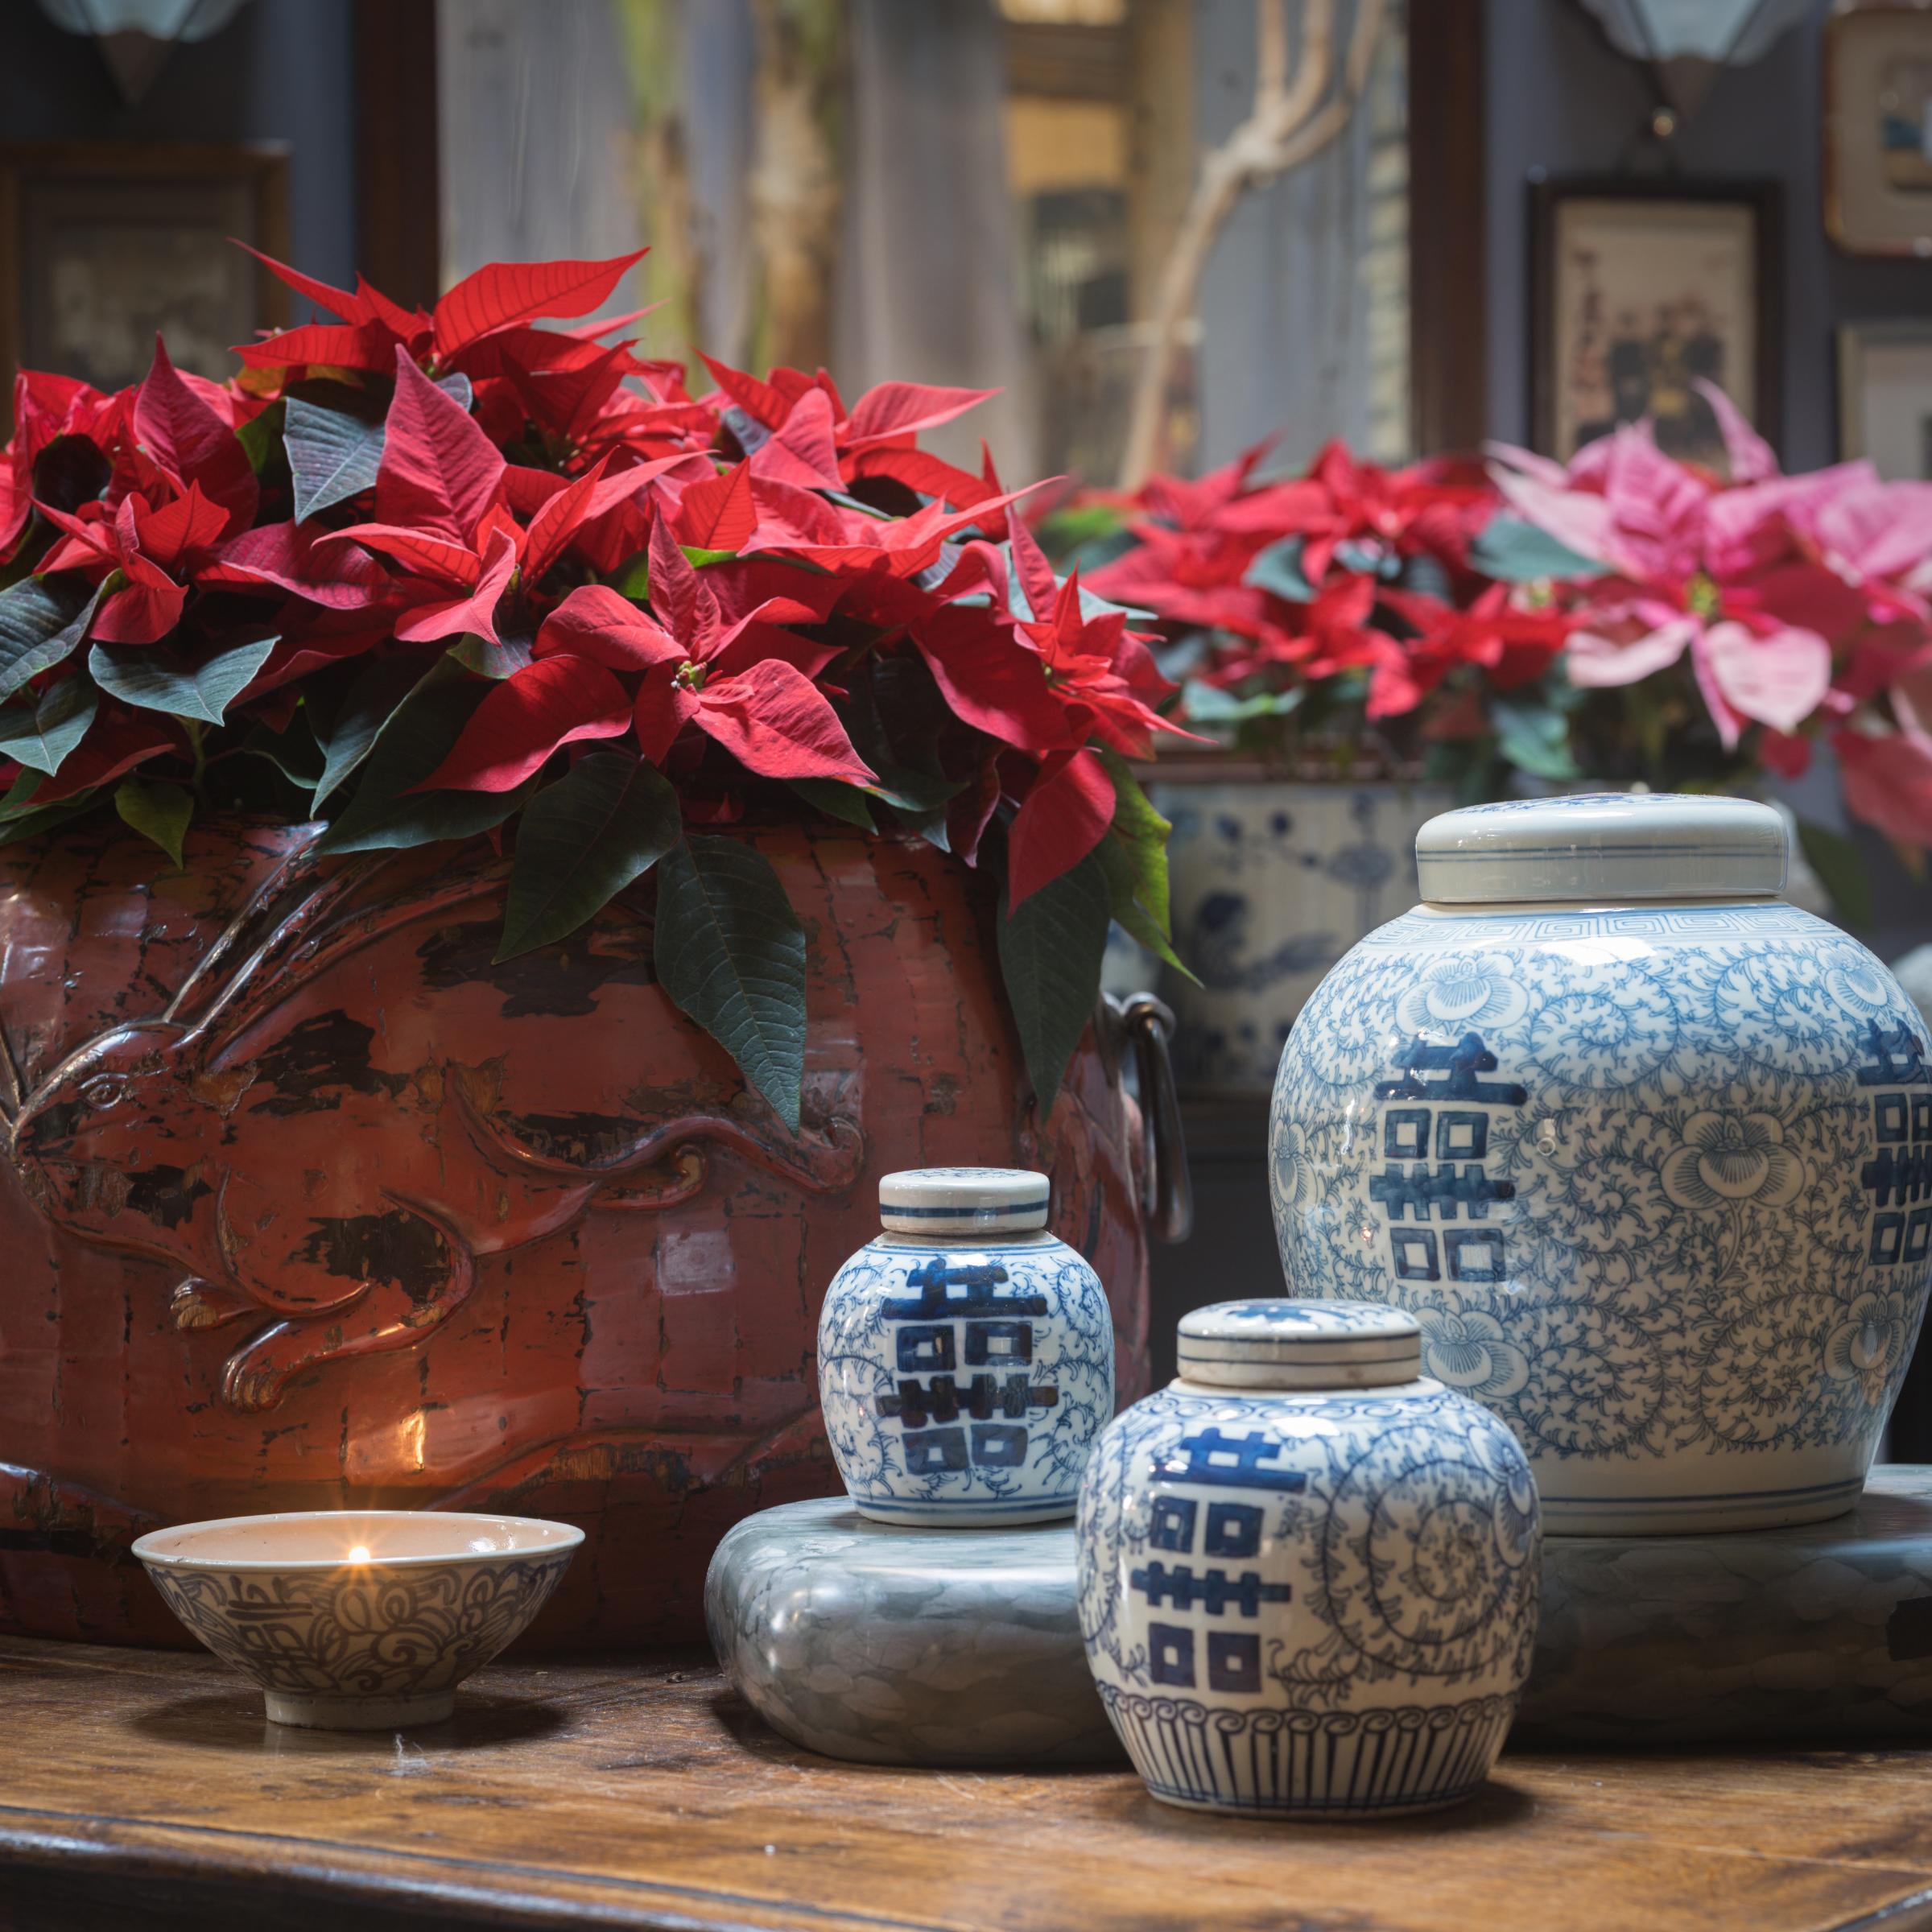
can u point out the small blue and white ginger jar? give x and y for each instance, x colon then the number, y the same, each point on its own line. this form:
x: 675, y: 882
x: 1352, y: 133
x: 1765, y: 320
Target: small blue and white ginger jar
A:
x: 1308, y: 1574
x: 1646, y: 1152
x: 965, y: 1356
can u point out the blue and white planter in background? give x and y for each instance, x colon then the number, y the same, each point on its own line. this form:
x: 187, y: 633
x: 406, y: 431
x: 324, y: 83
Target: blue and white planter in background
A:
x: 965, y: 1356
x: 1647, y: 1152
x: 1271, y: 884
x: 1309, y: 1575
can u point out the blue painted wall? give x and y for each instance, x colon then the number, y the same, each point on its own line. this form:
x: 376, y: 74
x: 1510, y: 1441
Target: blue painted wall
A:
x: 1560, y: 98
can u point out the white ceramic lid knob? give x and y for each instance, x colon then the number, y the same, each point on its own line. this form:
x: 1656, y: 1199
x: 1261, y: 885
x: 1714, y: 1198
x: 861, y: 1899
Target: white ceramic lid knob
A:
x: 1299, y: 1345
x: 1613, y: 847
x: 963, y: 1201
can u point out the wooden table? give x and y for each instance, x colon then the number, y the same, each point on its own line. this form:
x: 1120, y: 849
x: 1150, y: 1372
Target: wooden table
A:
x: 139, y: 1790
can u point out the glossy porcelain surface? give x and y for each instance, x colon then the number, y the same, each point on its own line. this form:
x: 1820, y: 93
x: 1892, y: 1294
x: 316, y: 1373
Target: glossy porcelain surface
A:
x: 1652, y: 1177
x: 1271, y: 884
x: 1308, y: 1602
x: 358, y: 1619
x: 964, y: 1378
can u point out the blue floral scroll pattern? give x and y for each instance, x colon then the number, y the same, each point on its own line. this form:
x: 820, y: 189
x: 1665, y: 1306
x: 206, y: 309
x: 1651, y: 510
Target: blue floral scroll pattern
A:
x: 1706, y: 1240
x: 1399, y: 1543
x: 863, y: 1375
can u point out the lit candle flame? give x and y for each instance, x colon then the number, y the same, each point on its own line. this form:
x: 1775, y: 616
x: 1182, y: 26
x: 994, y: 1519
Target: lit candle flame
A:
x: 360, y: 1553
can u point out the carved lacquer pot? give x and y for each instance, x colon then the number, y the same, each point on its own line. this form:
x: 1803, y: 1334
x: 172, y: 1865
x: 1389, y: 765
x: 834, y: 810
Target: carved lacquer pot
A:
x: 309, y: 1204
x: 1645, y: 1150
x: 965, y: 1356
x: 1308, y: 1573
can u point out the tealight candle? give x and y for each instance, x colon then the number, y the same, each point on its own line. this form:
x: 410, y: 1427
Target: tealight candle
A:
x: 368, y: 1642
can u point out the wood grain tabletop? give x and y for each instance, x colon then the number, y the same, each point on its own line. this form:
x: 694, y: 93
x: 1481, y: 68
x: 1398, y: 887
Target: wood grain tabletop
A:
x: 145, y: 1790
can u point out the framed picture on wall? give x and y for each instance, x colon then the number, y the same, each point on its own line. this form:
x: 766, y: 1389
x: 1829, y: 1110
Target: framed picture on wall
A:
x: 103, y: 245
x: 1638, y: 288
x: 1885, y: 396
x: 1878, y: 128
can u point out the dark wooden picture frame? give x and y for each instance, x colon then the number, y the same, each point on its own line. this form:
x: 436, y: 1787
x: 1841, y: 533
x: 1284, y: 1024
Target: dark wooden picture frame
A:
x: 1448, y: 279
x: 180, y: 202
x: 1764, y: 203
x: 1857, y: 201
x: 1868, y: 353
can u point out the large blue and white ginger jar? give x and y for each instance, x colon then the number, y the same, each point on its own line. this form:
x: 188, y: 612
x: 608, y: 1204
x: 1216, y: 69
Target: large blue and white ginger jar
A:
x: 965, y: 1356
x: 1647, y: 1153
x: 1308, y: 1573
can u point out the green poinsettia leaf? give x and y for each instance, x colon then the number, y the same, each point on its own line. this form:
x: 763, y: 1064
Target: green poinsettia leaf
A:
x: 730, y: 951
x: 1841, y: 865
x: 910, y: 776
x: 1129, y: 914
x: 632, y: 578
x: 157, y: 810
x: 1141, y: 833
x: 1533, y: 738
x: 1203, y: 703
x: 292, y: 751
x: 1515, y: 551
x: 16, y: 826
x: 1278, y: 570
x: 39, y: 736
x: 370, y: 704
x: 156, y: 679
x: 333, y: 434
x: 1050, y: 948
x: 507, y: 655
x: 43, y: 621
x: 844, y: 803
x: 261, y: 438
x: 387, y: 812
x: 581, y: 841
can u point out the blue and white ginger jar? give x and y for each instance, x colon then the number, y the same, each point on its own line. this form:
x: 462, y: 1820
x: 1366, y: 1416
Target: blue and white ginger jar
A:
x: 1308, y: 1573
x: 965, y: 1356
x: 1647, y: 1153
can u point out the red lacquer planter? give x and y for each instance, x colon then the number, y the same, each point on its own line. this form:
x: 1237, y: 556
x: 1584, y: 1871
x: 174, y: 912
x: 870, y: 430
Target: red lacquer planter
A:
x: 310, y: 1205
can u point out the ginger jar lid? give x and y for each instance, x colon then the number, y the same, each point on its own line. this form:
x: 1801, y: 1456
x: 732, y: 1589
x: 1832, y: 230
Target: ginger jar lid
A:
x: 963, y: 1201
x: 1299, y: 1345
x: 1612, y: 846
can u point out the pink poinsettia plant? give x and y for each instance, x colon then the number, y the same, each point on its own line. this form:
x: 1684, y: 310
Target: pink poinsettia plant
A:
x: 1626, y: 618
x: 1775, y: 621
x: 438, y: 575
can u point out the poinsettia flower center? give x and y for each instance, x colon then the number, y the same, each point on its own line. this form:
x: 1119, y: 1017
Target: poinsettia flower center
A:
x: 689, y: 676
x: 1702, y: 598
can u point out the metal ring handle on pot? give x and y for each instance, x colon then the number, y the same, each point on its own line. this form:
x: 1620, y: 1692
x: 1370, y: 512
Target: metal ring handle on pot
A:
x: 1167, y: 1187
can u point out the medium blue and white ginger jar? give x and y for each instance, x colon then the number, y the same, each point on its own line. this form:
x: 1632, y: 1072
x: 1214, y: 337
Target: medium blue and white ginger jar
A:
x: 1308, y: 1573
x: 1646, y: 1152
x: 965, y: 1356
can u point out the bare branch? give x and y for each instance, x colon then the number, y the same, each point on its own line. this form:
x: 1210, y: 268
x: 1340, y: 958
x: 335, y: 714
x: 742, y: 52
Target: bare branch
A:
x: 1293, y: 117
x: 1270, y: 49
x: 1314, y: 68
x: 1362, y: 45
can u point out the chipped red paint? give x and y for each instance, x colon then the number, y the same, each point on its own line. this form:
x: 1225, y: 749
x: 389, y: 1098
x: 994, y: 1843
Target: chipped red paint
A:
x: 311, y: 1205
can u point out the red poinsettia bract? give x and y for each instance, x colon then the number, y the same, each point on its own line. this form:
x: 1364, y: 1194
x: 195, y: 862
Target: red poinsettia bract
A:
x: 411, y: 557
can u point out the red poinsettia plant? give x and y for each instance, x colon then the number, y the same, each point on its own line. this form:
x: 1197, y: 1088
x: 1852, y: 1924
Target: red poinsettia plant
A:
x: 1351, y: 618
x: 1628, y: 617
x: 422, y: 575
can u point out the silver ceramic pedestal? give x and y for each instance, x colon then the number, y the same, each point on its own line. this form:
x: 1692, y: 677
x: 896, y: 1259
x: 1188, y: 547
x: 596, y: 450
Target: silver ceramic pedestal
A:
x: 1822, y: 1631
x: 894, y: 1644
